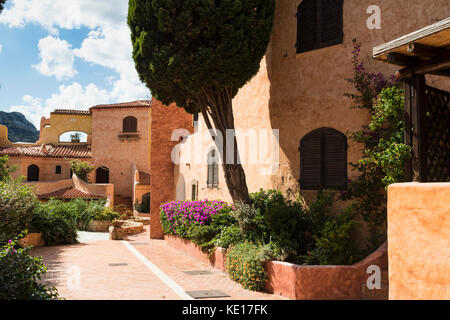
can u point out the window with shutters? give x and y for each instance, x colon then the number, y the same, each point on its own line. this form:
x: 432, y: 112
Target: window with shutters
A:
x: 129, y: 124
x: 213, y: 170
x: 323, y: 160
x: 319, y: 24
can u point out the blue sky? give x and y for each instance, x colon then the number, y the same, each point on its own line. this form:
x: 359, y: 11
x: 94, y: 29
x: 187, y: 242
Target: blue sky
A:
x: 65, y: 54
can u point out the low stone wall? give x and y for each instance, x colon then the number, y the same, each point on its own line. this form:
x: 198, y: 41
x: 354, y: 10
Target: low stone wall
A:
x: 297, y: 281
x: 419, y: 241
x: 132, y: 227
x: 99, y: 226
x: 34, y: 239
x: 217, y: 259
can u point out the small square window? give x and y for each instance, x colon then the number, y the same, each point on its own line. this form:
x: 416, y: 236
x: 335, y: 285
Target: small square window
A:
x: 58, y: 170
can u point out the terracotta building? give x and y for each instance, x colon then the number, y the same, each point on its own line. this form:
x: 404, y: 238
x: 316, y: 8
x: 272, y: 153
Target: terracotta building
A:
x: 299, y: 90
x: 114, y: 138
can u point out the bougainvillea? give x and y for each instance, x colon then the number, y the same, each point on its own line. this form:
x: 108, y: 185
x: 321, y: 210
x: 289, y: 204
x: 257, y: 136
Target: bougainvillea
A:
x: 177, y: 217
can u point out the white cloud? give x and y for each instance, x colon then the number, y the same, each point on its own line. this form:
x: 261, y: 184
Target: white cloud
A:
x: 56, y: 58
x: 66, y: 14
x: 108, y: 44
x: 73, y: 96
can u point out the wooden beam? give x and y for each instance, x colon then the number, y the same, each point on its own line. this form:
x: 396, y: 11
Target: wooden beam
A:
x: 424, y: 51
x: 419, y: 164
x: 401, y: 59
x: 424, y: 68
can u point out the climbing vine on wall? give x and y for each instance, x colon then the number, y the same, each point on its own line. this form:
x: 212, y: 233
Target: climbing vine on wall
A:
x: 384, y: 152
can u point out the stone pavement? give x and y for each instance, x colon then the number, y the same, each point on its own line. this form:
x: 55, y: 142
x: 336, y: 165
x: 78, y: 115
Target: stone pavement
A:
x: 97, y: 269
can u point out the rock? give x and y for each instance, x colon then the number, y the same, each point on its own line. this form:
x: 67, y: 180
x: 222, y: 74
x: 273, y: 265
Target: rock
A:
x: 116, y: 233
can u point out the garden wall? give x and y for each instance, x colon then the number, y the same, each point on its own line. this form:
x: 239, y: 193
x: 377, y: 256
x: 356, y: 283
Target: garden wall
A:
x: 419, y: 242
x: 297, y: 281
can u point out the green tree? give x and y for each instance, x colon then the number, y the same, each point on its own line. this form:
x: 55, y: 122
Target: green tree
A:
x: 2, y: 2
x: 5, y: 170
x: 198, y: 54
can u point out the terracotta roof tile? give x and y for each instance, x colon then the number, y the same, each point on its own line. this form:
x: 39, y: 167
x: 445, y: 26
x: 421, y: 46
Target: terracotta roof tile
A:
x: 49, y: 151
x: 132, y: 104
x: 69, y: 193
x: 67, y: 111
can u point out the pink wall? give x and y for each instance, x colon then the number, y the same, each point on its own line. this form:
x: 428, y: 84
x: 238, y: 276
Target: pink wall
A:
x: 298, y: 281
x: 109, y: 151
x: 419, y: 241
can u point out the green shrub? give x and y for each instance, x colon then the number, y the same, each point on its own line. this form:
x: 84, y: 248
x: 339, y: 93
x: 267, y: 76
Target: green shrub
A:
x: 244, y: 265
x: 81, y: 169
x: 20, y: 275
x: 335, y: 244
x: 229, y: 236
x: 107, y: 214
x: 5, y: 169
x: 56, y: 229
x: 251, y: 222
x: 17, y: 202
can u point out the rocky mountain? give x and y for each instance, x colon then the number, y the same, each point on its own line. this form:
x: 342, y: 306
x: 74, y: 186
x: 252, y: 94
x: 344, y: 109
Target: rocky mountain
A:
x: 19, y: 128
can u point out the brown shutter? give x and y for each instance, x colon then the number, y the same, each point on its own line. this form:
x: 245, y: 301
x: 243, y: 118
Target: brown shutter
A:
x: 311, y: 161
x: 130, y: 124
x: 307, y: 26
x: 335, y: 154
x: 330, y: 22
x: 215, y: 180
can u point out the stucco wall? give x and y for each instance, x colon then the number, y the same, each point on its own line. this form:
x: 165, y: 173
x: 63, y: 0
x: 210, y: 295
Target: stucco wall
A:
x: 119, y: 156
x: 47, y: 167
x: 419, y: 241
x: 165, y: 119
x: 297, y: 93
x: 100, y: 189
x: 40, y: 188
x: 62, y: 123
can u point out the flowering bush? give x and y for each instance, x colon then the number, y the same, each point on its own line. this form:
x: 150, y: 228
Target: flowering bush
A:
x: 245, y: 265
x: 20, y: 275
x: 178, y: 217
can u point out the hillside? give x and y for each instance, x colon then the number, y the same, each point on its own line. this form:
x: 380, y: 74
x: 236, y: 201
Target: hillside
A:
x: 19, y: 128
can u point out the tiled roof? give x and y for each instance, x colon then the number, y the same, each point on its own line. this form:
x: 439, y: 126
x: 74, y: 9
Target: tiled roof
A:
x: 67, y: 111
x: 49, y: 151
x: 132, y: 104
x: 69, y: 193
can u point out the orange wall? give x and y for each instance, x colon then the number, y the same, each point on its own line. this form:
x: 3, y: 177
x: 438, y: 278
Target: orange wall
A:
x: 297, y: 93
x: 118, y: 156
x: 47, y: 167
x: 419, y: 241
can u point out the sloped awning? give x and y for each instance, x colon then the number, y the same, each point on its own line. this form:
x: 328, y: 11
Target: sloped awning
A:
x: 425, y: 51
x: 69, y: 193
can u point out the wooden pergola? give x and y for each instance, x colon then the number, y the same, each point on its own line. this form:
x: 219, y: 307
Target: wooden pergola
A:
x: 427, y: 109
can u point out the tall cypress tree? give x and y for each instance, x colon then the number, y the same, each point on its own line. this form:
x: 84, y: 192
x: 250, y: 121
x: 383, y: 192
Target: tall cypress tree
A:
x: 198, y: 54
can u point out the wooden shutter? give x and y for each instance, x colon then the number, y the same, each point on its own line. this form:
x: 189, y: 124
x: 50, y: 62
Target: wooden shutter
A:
x: 307, y: 25
x: 319, y: 24
x: 335, y: 159
x: 311, y: 161
x: 213, y: 170
x: 130, y: 124
x: 330, y: 22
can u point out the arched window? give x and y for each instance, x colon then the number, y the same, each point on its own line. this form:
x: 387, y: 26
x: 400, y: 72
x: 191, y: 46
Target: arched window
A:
x: 129, y: 124
x: 33, y: 173
x: 319, y: 24
x: 102, y: 175
x: 323, y: 160
x: 213, y: 170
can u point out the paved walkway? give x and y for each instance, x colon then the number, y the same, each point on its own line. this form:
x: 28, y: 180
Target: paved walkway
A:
x: 138, y: 268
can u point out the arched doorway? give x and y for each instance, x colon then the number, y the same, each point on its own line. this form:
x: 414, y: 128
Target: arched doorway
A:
x: 102, y: 175
x: 33, y: 173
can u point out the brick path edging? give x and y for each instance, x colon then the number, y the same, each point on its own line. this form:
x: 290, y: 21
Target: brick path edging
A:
x: 299, y: 282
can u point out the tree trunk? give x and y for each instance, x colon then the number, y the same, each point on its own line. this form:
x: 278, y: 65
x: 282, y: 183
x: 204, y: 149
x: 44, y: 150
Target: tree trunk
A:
x: 221, y: 112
